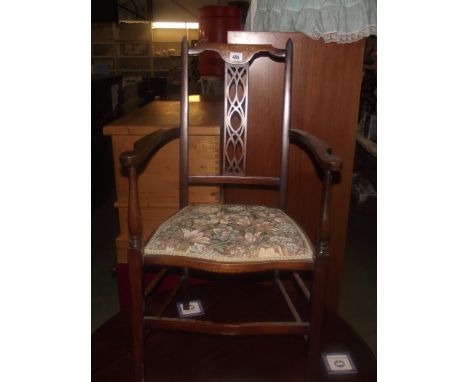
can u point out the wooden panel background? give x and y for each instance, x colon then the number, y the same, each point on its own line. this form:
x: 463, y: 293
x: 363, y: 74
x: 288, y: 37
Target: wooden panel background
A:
x: 325, y: 102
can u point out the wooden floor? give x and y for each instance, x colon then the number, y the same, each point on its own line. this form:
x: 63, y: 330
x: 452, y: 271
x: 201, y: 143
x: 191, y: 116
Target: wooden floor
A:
x: 172, y: 356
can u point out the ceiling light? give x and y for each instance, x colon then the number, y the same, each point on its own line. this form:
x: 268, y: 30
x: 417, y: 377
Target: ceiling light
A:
x: 174, y: 25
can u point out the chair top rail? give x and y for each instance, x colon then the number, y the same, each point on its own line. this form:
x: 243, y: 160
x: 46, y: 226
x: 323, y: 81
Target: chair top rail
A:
x: 238, y: 53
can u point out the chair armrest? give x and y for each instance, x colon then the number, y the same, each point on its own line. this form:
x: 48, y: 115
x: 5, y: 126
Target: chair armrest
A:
x: 317, y: 149
x: 147, y: 146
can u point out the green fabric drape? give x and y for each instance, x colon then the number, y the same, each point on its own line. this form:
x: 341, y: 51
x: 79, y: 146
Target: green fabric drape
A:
x: 339, y: 21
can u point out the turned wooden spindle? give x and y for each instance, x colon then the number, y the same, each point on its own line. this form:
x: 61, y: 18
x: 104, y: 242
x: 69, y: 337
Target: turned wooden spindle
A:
x: 319, y: 282
x: 324, y: 224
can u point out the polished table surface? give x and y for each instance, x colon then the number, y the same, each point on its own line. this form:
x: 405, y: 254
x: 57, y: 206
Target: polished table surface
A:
x: 165, y: 114
x: 175, y: 356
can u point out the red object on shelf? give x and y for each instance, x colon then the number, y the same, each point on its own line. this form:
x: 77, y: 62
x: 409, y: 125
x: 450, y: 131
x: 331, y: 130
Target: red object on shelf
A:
x: 214, y: 23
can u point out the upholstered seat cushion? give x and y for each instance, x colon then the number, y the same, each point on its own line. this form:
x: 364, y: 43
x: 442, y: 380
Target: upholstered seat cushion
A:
x: 230, y: 233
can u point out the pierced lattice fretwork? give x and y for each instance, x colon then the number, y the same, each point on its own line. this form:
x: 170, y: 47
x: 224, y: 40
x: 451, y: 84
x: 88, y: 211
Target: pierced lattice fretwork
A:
x: 235, y: 118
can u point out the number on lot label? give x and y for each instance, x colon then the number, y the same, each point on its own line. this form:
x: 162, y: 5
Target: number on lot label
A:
x: 235, y: 56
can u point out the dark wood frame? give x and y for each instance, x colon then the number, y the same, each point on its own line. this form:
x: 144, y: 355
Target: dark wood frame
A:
x: 318, y: 151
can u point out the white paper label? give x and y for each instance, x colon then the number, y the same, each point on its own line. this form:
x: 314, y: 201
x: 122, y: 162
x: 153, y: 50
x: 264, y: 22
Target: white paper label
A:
x: 194, y: 309
x: 339, y: 363
x: 235, y: 56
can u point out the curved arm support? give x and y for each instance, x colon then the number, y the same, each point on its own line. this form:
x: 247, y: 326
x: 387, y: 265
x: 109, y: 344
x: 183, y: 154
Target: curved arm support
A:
x: 317, y: 149
x: 147, y: 146
x: 323, y: 234
x: 143, y: 149
x: 320, y: 152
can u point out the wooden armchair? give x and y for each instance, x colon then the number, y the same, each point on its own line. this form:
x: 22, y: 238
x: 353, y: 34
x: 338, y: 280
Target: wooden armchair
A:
x: 231, y: 238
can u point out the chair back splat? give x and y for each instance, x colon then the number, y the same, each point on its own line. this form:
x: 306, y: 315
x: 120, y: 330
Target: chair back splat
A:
x: 237, y: 60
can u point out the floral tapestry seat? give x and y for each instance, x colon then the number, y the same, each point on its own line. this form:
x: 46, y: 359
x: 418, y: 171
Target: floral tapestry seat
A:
x: 230, y: 233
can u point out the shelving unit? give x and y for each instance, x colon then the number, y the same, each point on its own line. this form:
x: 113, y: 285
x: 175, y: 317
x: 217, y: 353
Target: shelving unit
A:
x: 365, y: 162
x: 367, y: 144
x: 147, y: 59
x: 125, y: 47
x: 103, y: 51
x: 370, y: 67
x: 135, y: 46
x: 130, y: 48
x: 366, y: 129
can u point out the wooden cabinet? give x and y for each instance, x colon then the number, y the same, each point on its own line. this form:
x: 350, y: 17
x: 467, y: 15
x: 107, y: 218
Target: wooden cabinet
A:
x: 159, y: 180
x: 325, y: 102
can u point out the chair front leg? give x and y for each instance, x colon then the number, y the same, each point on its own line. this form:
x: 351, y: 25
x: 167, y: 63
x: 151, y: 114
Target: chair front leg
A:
x: 317, y: 310
x: 135, y: 267
x: 319, y: 284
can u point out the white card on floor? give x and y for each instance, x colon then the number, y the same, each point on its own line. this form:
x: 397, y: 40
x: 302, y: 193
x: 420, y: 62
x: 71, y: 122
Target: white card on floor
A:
x: 195, y: 309
x: 339, y: 363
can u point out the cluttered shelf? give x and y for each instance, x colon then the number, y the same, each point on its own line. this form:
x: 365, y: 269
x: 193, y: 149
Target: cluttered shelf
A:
x: 365, y: 161
x: 370, y: 66
x: 367, y: 127
x: 366, y: 143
